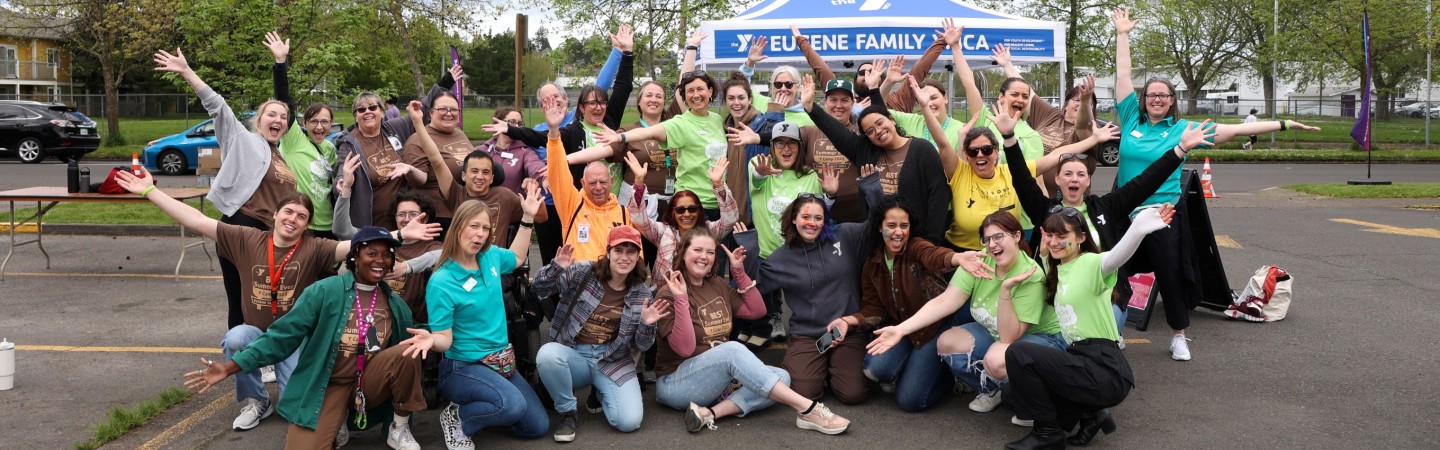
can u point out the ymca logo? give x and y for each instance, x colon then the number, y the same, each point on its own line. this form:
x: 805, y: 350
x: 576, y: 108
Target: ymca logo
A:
x: 744, y: 42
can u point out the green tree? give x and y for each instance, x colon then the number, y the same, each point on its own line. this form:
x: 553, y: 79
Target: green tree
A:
x: 660, y: 25
x: 1199, y: 41
x: 1330, y: 33
x: 1089, y: 36
x: 490, y: 63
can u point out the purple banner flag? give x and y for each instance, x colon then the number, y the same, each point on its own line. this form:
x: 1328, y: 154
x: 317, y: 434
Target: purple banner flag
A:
x: 1361, y: 132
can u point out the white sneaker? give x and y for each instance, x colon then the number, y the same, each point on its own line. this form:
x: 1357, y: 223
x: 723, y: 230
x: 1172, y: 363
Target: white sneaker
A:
x: 777, y: 330
x: 985, y: 402
x: 888, y: 388
x: 252, y: 413
x: 1016, y: 420
x: 822, y: 420
x: 455, y: 438
x: 1121, y: 342
x: 1179, y: 348
x: 342, y: 437
x: 267, y: 374
x: 400, y: 438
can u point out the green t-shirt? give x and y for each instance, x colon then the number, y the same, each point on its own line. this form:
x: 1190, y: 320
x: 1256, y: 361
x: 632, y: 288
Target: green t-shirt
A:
x: 1082, y: 300
x: 914, y: 125
x: 617, y: 173
x: 769, y: 197
x: 1032, y: 144
x: 1094, y: 234
x: 1028, y: 298
x: 698, y: 143
x: 762, y: 103
x: 314, y: 168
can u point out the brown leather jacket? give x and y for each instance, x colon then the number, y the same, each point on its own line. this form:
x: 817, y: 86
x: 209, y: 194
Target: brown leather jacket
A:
x: 889, y: 297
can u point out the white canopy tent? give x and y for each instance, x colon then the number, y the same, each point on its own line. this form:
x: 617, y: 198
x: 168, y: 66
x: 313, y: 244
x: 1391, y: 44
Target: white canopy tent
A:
x: 862, y: 30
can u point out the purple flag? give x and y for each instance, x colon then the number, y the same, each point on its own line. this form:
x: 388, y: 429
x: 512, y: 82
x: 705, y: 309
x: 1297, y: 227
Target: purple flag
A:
x: 1361, y: 132
x: 459, y: 88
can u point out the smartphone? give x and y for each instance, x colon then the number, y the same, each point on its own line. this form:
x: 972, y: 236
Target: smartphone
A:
x: 827, y: 340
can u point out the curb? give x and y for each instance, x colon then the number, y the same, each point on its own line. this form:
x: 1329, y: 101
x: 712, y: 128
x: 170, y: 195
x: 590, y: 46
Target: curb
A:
x: 99, y: 229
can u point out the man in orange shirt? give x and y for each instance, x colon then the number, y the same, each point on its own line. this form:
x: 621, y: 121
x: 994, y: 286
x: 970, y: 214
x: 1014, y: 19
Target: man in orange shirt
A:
x: 586, y: 214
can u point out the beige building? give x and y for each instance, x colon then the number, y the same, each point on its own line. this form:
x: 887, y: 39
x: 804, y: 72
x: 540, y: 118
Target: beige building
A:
x: 34, y: 64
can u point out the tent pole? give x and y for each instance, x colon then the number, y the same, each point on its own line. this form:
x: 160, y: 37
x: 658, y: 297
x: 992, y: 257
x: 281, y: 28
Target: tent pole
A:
x: 1063, y: 87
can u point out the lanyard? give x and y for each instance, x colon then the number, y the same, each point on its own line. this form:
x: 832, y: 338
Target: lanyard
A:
x: 362, y: 325
x: 275, y: 272
x: 930, y: 138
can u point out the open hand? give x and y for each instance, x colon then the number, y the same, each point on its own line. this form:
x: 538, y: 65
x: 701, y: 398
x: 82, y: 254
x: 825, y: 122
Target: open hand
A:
x: 717, y: 171
x: 763, y: 166
x: 1123, y: 23
x: 742, y: 135
x: 1011, y: 282
x: 757, y: 51
x: 830, y: 179
x: 885, y: 338
x: 132, y: 183
x: 655, y: 310
x: 280, y: 49
x: 950, y: 33
x: 640, y: 169
x: 565, y: 257
x: 695, y: 38
x: 1198, y: 134
x: 623, y: 39
x: 1105, y: 133
x: 203, y: 380
x: 421, y: 341
x: 166, y: 62
x: 419, y: 230
x: 530, y: 203
x: 974, y: 265
x: 1001, y: 55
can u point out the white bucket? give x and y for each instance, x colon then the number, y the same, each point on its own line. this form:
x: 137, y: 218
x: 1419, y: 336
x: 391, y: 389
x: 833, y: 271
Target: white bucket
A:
x: 7, y: 365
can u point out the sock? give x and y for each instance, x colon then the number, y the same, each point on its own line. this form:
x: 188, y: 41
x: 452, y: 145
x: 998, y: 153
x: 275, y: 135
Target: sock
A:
x: 402, y: 420
x: 811, y: 408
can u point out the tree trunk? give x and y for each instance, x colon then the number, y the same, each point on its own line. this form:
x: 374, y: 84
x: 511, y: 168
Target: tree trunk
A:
x: 1269, y: 80
x: 415, y: 72
x: 111, y: 80
x: 1072, y: 39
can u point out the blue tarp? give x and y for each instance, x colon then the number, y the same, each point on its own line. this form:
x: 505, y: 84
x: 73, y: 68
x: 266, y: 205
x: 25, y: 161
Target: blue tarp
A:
x: 866, y: 29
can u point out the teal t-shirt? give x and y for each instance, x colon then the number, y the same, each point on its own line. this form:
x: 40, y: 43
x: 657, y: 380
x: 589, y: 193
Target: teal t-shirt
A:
x: 1082, y: 300
x: 469, y: 303
x: 769, y: 197
x: 914, y: 125
x: 1028, y: 298
x: 698, y: 142
x: 314, y: 168
x: 1142, y: 143
x: 1032, y: 144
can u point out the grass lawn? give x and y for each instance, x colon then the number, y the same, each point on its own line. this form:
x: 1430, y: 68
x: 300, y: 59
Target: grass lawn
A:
x: 1319, y: 155
x: 122, y: 420
x: 1397, y: 190
x: 111, y: 213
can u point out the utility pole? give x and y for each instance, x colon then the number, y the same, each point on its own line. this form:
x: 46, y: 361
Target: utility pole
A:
x: 1275, y: 68
x: 521, y: 35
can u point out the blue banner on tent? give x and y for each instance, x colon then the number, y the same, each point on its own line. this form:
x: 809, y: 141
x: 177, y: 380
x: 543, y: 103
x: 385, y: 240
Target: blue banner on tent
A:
x: 832, y: 42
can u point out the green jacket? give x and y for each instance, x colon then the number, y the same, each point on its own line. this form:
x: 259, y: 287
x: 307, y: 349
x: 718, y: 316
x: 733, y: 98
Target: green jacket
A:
x: 316, y: 321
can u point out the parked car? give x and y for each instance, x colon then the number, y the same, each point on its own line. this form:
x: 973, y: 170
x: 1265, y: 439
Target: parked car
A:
x: 1105, y: 105
x: 34, y: 130
x: 177, y: 154
x: 1417, y: 109
x: 1110, y: 150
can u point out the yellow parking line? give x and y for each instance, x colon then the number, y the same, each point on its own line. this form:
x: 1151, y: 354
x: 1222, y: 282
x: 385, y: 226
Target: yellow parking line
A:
x: 1227, y: 242
x: 185, y: 425
x: 18, y: 229
x: 1382, y: 228
x: 1129, y: 341
x: 112, y: 275
x: 67, y: 348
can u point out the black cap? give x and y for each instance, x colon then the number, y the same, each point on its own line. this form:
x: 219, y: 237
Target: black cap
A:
x: 371, y: 234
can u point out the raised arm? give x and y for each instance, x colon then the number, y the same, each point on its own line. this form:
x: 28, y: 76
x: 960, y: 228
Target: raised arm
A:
x: 279, y: 74
x: 1032, y: 200
x: 1148, y: 221
x: 529, y: 204
x: 443, y: 176
x: 1124, y: 84
x: 1084, y: 117
x: 904, y: 101
x: 187, y: 216
x: 951, y: 35
x: 753, y: 306
x: 624, y: 83
x: 692, y: 52
x: 1098, y: 134
x: 817, y: 64
x: 949, y: 160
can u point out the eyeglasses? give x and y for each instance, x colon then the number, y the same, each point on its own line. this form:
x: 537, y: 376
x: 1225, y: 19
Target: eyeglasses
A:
x: 1075, y: 156
x: 515, y: 123
x: 983, y: 150
x: 1158, y: 95
x: 1065, y: 210
x: 787, y: 143
x: 986, y: 240
x: 318, y: 123
x: 875, y: 129
x: 592, y: 103
x: 691, y: 209
x: 783, y: 84
x: 448, y: 111
x: 362, y: 109
x: 407, y: 214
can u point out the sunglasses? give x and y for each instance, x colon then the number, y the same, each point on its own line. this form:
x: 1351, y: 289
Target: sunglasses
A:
x: 690, y: 76
x: 1065, y: 211
x: 362, y: 109
x: 862, y: 72
x: 783, y: 84
x: 1075, y: 156
x: 807, y: 195
x: 983, y: 150
x: 692, y: 209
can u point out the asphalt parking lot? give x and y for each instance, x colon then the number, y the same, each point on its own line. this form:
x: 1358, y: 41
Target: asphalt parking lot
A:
x: 108, y: 326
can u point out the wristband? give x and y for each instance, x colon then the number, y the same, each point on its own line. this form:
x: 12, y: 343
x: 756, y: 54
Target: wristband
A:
x: 524, y: 224
x: 692, y: 47
x: 398, y: 236
x: 623, y: 139
x: 1004, y: 136
x: 1283, y: 126
x: 1182, y: 149
x: 146, y: 193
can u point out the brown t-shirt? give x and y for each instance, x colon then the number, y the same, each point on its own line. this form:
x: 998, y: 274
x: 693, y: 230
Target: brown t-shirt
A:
x: 454, y: 146
x: 411, y: 288
x: 820, y: 152
x: 713, y: 305
x: 250, y: 249
x: 737, y: 176
x: 604, y: 323
x: 1055, y: 132
x: 375, y: 337
x: 379, y: 155
x: 649, y: 150
x: 503, y: 205
x: 279, y: 183
x: 890, y: 164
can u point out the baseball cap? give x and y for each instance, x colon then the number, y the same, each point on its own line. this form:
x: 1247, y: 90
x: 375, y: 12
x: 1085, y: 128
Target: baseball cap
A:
x: 840, y: 83
x: 371, y: 234
x: 786, y: 129
x: 624, y: 234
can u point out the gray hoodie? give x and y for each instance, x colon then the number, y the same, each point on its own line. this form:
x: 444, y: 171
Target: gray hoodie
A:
x: 821, y: 280
x: 244, y: 157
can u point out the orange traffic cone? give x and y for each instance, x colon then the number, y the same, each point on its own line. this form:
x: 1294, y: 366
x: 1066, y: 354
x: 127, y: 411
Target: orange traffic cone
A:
x: 1205, y: 183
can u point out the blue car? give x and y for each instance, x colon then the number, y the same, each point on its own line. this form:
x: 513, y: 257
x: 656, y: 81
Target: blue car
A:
x: 177, y: 154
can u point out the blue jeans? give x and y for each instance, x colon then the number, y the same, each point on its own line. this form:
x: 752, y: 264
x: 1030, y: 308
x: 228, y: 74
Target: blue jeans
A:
x: 1121, y: 313
x: 918, y: 373
x: 970, y: 367
x: 564, y: 369
x: 248, y: 384
x: 1055, y: 341
x: 701, y: 379
x: 487, y: 399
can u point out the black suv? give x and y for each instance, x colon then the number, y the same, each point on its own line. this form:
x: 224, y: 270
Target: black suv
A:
x: 34, y: 130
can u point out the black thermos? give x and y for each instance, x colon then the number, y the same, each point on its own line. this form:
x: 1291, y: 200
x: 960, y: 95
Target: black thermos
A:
x: 72, y: 176
x: 85, y: 179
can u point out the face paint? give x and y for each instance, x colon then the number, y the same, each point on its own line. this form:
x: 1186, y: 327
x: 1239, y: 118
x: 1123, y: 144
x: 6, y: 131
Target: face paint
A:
x: 1065, y: 243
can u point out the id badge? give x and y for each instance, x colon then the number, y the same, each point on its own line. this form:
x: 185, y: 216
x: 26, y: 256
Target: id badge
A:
x: 1136, y: 134
x: 469, y: 284
x: 395, y: 143
x: 582, y: 234
x: 372, y: 342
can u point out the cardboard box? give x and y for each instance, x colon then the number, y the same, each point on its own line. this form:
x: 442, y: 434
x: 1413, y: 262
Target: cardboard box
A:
x: 208, y: 161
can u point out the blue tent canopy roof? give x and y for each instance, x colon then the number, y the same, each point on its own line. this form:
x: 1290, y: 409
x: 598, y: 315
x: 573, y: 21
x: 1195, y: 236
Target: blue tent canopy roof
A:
x: 814, y: 9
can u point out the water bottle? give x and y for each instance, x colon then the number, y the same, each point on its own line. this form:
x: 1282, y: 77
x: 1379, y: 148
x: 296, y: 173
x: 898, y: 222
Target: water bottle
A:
x: 85, y: 179
x: 72, y: 177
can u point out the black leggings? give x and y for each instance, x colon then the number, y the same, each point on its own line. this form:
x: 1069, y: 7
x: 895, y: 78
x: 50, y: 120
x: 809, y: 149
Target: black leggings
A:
x: 231, y: 274
x: 548, y: 233
x: 1162, y: 253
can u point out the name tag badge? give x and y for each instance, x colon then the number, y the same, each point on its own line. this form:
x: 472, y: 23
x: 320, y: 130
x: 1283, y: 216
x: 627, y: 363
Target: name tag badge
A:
x: 395, y: 143
x: 469, y: 284
x: 507, y: 155
x: 1136, y: 134
x: 582, y: 235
